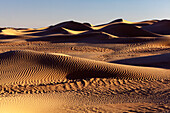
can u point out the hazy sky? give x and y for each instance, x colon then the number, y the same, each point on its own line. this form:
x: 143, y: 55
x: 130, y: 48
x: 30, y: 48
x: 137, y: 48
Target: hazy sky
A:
x: 41, y: 13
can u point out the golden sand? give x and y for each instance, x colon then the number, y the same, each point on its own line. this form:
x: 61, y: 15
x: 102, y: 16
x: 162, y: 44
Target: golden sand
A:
x: 73, y: 67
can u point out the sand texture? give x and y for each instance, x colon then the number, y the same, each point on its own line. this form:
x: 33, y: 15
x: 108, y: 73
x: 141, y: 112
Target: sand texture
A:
x: 72, y: 67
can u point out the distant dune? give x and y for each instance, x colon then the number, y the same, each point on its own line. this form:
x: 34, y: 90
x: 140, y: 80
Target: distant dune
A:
x: 10, y: 31
x: 127, y: 30
x: 73, y: 67
x: 161, y: 27
x: 120, y: 20
x: 72, y: 25
x: 86, y: 36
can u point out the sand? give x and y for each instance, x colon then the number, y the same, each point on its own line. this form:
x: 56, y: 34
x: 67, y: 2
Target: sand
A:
x: 71, y: 67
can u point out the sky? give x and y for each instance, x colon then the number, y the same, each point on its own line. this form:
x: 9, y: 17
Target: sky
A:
x: 42, y: 13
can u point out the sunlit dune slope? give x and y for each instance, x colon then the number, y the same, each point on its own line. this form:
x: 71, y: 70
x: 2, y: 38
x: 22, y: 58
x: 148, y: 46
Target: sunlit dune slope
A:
x: 9, y: 31
x: 20, y: 67
x: 117, y: 21
x: 74, y: 32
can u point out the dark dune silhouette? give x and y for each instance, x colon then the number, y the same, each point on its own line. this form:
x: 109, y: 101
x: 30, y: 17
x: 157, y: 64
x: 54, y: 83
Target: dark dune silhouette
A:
x: 161, y: 27
x: 161, y: 61
x: 127, y: 30
x: 72, y: 25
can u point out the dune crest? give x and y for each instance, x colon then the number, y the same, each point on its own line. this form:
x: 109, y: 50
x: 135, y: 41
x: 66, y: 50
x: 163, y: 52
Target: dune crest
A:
x: 120, y: 20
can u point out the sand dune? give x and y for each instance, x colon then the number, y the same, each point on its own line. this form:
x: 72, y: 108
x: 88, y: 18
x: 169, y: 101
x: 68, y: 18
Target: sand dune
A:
x: 119, y: 66
x: 74, y: 32
x: 127, y: 30
x: 37, y: 67
x: 58, y: 30
x: 76, y: 37
x: 120, y: 20
x: 72, y: 26
x: 161, y: 27
x: 10, y: 32
x: 61, y: 28
x: 1, y: 29
x: 117, y: 21
x: 145, y: 23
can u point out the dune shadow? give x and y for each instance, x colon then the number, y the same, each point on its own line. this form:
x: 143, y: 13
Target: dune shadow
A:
x: 8, y: 36
x: 160, y: 61
x: 93, y: 37
x: 33, y: 31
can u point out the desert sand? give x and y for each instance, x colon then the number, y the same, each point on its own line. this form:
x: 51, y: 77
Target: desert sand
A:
x: 73, y: 67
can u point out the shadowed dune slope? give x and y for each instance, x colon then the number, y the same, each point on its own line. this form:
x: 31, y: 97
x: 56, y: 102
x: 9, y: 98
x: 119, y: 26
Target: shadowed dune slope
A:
x: 22, y: 67
x: 2, y: 29
x: 74, y: 32
x: 161, y: 61
x: 58, y: 30
x: 72, y: 26
x: 88, y: 36
x: 161, y: 27
x: 117, y: 21
x: 120, y: 20
x: 145, y: 23
x: 127, y: 30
